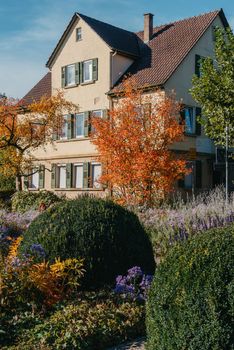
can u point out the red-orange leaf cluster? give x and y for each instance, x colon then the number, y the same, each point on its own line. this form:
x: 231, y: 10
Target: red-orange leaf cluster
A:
x: 134, y: 146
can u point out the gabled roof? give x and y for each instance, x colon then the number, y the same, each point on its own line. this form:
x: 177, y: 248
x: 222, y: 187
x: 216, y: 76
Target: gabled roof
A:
x: 169, y: 46
x: 117, y: 39
x: 156, y: 61
x: 42, y: 88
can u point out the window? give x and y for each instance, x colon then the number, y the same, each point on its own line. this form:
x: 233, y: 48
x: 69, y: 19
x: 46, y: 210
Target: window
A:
x: 62, y: 176
x: 79, y: 125
x: 78, y: 34
x: 96, y: 173
x: 35, y: 179
x: 79, y: 175
x: 64, y: 131
x: 190, y: 120
x: 98, y: 113
x: 87, y: 71
x: 70, y: 75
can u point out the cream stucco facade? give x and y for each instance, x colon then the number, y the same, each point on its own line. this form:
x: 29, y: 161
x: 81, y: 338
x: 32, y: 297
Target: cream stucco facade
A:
x: 93, y: 96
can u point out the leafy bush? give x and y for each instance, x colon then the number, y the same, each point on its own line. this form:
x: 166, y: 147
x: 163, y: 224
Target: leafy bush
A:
x: 107, y: 236
x: 7, y: 183
x: 39, y: 284
x: 24, y: 201
x: 190, y: 304
x: 88, y: 324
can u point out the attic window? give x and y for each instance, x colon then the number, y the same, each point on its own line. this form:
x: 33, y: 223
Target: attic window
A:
x: 78, y: 34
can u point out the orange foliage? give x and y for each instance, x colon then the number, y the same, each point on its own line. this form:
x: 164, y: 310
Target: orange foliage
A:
x: 25, y: 128
x: 133, y: 145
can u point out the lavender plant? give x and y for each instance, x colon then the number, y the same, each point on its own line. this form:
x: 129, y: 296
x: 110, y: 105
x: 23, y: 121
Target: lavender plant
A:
x: 12, y: 225
x: 170, y: 224
x: 134, y: 285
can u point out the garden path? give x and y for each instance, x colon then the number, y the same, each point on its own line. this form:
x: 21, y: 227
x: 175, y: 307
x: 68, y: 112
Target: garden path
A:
x: 136, y: 345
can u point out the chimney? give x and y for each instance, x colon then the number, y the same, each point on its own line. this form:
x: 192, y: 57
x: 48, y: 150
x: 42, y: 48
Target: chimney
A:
x: 148, y: 27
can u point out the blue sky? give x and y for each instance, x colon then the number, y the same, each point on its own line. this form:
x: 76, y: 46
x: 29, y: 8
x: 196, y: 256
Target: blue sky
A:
x: 30, y: 29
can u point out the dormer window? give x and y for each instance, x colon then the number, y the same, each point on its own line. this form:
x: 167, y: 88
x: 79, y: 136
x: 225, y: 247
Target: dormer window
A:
x: 78, y: 34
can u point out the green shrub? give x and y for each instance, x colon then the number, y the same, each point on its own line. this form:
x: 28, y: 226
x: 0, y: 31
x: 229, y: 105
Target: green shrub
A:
x: 86, y: 325
x: 7, y: 183
x: 190, y: 303
x: 109, y: 238
x: 23, y: 201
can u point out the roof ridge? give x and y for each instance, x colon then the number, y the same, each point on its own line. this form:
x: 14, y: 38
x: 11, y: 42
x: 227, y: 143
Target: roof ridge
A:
x: 111, y: 25
x: 183, y: 19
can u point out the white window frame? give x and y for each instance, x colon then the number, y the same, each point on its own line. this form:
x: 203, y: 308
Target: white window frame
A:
x: 193, y: 131
x: 59, y: 166
x: 81, y: 165
x: 97, y: 111
x: 66, y: 75
x: 78, y: 34
x: 35, y: 172
x: 64, y: 127
x: 98, y: 185
x: 79, y: 136
x: 90, y: 71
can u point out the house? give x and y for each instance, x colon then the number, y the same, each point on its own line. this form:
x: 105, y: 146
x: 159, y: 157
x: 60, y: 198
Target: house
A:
x: 89, y: 63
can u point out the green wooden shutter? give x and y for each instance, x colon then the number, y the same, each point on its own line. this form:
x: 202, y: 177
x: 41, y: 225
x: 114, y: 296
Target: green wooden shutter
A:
x: 53, y: 175
x: 69, y: 167
x: 41, y: 176
x: 81, y: 76
x: 63, y: 77
x: 77, y: 73
x: 105, y: 114
x: 198, y: 174
x: 95, y: 69
x: 198, y: 125
x: 26, y: 182
x: 54, y: 136
x: 181, y: 183
x: 197, y: 65
x: 87, y: 125
x: 70, y: 126
x: 182, y: 116
x: 86, y: 167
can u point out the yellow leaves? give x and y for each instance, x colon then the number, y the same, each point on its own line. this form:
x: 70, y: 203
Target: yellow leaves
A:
x: 13, y: 250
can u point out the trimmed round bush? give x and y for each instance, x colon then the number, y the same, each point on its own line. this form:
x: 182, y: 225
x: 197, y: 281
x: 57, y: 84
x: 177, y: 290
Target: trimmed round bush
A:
x: 109, y: 238
x: 190, y: 304
x: 23, y: 201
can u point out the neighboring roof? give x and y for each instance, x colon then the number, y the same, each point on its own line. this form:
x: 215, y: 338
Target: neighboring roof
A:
x: 42, y: 88
x: 169, y: 46
x: 117, y: 39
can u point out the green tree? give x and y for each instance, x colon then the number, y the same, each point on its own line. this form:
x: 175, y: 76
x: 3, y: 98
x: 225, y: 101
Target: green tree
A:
x: 214, y: 89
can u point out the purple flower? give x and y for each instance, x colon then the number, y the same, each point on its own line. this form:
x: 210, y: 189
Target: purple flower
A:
x: 38, y: 250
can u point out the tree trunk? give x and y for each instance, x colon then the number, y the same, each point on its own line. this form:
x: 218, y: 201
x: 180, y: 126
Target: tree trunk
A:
x: 18, y: 183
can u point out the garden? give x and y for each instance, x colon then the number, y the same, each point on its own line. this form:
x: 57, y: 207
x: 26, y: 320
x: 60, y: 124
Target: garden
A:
x: 81, y: 274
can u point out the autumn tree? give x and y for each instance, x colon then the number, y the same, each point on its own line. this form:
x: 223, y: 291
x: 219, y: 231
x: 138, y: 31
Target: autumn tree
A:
x: 24, y: 128
x: 134, y: 146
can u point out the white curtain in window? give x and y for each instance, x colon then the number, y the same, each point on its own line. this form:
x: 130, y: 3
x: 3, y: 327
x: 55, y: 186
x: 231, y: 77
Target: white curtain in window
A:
x: 80, y: 125
x: 79, y: 176
x: 70, y: 75
x: 62, y: 177
x: 96, y: 173
x: 88, y: 66
x: 35, y: 180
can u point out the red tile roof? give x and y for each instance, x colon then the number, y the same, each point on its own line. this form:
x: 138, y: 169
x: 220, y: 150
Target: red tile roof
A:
x: 158, y: 59
x: 170, y: 44
x: 42, y: 88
